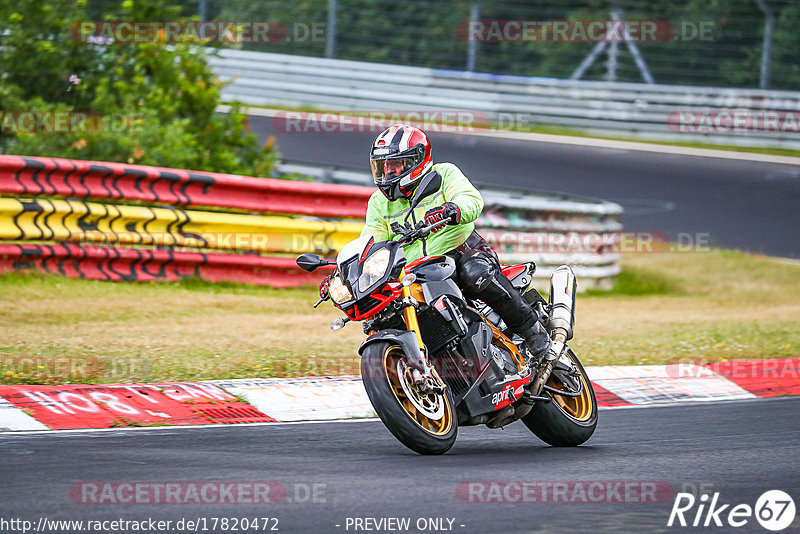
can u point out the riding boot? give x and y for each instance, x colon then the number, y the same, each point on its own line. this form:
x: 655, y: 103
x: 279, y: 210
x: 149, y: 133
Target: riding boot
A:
x: 481, y: 278
x: 536, y: 339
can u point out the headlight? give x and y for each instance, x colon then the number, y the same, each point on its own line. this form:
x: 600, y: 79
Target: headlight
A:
x: 338, y: 291
x: 374, y: 268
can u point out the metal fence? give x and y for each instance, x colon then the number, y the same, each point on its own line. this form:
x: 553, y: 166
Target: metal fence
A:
x: 657, y: 112
x: 734, y: 43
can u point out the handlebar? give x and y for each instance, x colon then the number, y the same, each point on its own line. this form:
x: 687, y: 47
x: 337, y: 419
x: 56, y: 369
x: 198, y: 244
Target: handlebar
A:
x: 420, y: 231
x: 408, y: 233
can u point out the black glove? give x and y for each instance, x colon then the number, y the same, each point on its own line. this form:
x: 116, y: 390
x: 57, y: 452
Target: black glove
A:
x: 447, y: 211
x: 323, y: 287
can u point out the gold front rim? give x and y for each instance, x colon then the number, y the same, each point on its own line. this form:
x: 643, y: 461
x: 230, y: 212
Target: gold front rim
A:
x: 421, y: 408
x: 579, y: 408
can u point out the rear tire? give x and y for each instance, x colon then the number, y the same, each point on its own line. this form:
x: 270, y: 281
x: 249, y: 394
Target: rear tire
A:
x: 564, y: 421
x: 426, y: 424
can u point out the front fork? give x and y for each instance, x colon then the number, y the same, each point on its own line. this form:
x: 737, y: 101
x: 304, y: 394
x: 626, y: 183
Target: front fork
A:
x: 410, y: 313
x: 427, y: 376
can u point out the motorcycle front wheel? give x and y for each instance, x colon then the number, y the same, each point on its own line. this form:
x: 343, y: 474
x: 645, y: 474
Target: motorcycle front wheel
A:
x: 565, y: 421
x: 424, y: 422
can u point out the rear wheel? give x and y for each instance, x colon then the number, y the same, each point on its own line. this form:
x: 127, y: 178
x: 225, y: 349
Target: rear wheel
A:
x: 423, y: 422
x: 565, y: 421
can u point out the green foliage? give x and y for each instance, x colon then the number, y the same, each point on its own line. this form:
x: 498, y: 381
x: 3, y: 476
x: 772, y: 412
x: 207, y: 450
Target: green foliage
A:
x: 146, y: 103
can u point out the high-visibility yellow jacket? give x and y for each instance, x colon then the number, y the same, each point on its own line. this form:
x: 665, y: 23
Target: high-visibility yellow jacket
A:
x: 456, y: 188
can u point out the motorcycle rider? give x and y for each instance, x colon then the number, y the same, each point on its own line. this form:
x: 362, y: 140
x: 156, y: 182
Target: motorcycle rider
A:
x: 400, y: 157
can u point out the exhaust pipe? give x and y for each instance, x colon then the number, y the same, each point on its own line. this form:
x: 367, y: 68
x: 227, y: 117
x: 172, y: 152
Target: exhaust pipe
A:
x: 563, y: 287
x: 560, y: 327
x: 562, y: 302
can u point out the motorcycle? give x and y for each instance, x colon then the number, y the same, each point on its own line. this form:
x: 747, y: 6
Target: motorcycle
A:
x: 434, y: 360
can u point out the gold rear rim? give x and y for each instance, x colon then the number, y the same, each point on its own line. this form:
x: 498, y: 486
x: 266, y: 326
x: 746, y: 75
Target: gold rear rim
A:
x: 579, y: 408
x: 429, y: 411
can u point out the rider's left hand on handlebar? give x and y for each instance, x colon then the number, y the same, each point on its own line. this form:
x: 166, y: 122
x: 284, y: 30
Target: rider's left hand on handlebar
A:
x: 447, y: 211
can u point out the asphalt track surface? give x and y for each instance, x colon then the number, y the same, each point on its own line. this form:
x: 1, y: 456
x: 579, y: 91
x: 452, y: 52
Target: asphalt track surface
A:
x: 752, y: 206
x: 739, y: 449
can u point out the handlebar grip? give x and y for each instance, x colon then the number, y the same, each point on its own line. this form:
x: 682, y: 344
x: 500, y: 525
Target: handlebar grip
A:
x: 420, y: 230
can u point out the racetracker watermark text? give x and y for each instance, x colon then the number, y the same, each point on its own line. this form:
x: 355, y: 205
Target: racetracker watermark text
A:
x: 503, y: 241
x: 778, y: 369
x: 564, y: 492
x: 47, y: 121
x: 612, y: 242
x: 200, y: 492
x: 199, y: 32
x: 582, y: 31
x: 734, y: 121
x: 449, y: 121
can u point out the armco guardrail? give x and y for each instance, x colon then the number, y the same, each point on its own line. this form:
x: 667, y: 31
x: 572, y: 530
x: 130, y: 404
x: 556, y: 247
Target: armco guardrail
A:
x: 631, y: 109
x: 148, y: 223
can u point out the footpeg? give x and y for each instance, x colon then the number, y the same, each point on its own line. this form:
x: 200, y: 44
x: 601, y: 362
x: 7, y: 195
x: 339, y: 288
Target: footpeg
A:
x: 530, y: 398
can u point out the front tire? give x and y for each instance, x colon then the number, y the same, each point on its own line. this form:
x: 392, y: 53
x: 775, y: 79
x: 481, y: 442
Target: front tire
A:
x: 565, y: 421
x: 426, y: 424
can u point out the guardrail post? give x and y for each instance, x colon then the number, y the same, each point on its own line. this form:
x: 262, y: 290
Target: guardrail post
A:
x: 766, y: 51
x: 472, y: 46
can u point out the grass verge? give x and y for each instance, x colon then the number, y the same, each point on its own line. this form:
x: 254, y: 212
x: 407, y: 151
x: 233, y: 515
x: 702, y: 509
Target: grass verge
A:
x: 667, y: 307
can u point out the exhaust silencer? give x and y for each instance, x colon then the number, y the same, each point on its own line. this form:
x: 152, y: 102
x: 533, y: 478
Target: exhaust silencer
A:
x: 562, y: 321
x: 562, y: 302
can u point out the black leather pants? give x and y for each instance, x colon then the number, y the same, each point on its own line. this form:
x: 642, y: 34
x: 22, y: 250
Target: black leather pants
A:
x: 480, y: 277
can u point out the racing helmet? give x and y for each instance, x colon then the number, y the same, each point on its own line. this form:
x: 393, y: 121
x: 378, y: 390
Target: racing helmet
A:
x: 400, y: 156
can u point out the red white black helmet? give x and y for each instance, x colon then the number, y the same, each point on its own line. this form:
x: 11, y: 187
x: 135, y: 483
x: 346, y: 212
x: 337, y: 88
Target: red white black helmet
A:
x: 400, y: 156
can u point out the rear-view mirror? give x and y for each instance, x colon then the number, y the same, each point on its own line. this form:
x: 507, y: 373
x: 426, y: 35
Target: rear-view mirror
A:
x: 310, y: 262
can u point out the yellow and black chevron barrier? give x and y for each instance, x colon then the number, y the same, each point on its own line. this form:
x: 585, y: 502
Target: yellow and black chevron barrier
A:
x: 99, y: 223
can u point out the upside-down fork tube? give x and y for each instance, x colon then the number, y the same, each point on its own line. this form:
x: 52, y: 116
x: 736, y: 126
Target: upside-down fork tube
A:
x: 412, y: 324
x: 410, y: 315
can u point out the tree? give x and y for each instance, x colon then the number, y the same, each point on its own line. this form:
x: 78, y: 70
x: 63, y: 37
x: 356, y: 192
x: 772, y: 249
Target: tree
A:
x: 145, y: 102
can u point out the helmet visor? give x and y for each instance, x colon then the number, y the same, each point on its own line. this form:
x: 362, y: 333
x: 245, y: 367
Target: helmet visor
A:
x: 391, y: 168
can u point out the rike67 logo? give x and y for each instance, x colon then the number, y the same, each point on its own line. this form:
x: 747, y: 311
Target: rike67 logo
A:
x: 774, y: 510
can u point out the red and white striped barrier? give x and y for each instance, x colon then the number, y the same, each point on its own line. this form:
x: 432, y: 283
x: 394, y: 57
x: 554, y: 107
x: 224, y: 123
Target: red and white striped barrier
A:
x: 33, y: 176
x: 330, y: 398
x: 150, y: 265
